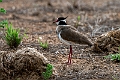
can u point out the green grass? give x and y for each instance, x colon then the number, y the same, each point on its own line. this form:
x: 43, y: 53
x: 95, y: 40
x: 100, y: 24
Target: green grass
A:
x: 12, y: 37
x: 43, y: 45
x: 3, y: 23
x: 2, y: 10
x: 78, y: 18
x: 114, y: 57
x: 76, y: 24
x: 48, y: 73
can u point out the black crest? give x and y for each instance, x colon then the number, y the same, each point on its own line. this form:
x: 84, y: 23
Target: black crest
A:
x: 61, y: 18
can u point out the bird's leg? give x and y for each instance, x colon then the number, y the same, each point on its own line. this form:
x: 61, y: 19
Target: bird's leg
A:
x: 70, y: 53
x: 69, y: 58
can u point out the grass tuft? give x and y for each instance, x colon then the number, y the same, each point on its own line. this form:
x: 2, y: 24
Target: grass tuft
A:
x: 43, y: 45
x: 12, y: 37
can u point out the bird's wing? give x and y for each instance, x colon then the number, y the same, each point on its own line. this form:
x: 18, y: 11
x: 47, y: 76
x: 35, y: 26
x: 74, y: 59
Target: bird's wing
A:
x: 72, y: 35
x: 69, y: 35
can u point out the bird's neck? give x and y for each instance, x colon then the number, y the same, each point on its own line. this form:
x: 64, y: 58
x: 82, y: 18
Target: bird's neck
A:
x: 62, y: 22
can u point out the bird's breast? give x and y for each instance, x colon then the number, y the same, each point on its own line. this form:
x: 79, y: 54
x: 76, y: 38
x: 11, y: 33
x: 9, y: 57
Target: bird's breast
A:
x: 63, y: 40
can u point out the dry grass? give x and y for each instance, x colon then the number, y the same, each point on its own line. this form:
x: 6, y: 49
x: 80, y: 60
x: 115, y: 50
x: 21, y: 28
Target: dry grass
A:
x: 108, y: 42
x: 26, y: 60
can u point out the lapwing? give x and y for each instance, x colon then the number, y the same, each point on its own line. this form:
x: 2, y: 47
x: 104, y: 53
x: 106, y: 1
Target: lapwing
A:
x: 70, y: 35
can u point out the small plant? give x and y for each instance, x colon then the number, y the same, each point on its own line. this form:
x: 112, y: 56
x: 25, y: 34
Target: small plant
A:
x: 78, y: 18
x: 12, y: 37
x: 48, y: 73
x: 114, y: 57
x: 2, y: 10
x: 43, y: 45
x: 76, y: 23
x: 3, y: 23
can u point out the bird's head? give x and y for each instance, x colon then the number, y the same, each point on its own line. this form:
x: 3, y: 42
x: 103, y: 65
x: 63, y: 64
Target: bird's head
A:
x: 61, y: 21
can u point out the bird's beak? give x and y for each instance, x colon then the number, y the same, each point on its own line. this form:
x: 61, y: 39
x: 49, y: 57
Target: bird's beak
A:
x: 55, y: 21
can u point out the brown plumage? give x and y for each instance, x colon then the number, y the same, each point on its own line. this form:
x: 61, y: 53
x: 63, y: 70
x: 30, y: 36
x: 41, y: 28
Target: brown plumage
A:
x: 70, y: 35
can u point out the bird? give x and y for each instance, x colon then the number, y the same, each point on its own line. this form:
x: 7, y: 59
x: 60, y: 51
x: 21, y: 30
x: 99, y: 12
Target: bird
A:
x: 69, y: 35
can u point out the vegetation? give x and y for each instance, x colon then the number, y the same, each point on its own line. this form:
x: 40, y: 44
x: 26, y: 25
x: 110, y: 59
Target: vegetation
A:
x: 114, y: 57
x: 43, y: 45
x: 76, y: 24
x: 78, y: 18
x: 48, y: 73
x: 12, y: 37
x: 3, y: 23
x: 2, y: 10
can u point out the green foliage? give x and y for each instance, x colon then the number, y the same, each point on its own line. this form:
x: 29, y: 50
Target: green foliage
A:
x: 114, y: 57
x: 12, y: 37
x: 78, y: 18
x: 2, y: 10
x: 48, y: 73
x: 3, y: 23
x: 76, y: 24
x: 43, y: 45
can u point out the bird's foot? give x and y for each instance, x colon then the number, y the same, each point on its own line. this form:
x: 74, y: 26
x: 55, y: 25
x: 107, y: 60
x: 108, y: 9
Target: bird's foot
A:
x: 68, y: 63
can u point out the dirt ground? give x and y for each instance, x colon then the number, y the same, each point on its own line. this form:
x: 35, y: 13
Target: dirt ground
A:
x: 35, y: 18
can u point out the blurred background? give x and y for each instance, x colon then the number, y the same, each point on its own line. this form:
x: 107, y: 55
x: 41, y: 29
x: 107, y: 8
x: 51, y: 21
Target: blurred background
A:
x: 93, y: 14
